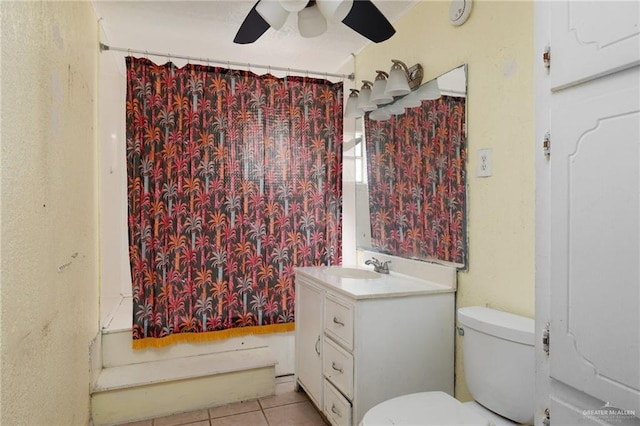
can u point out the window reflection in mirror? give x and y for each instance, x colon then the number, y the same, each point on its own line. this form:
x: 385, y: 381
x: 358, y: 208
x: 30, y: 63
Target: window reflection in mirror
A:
x: 360, y: 153
x: 363, y: 224
x: 411, y: 177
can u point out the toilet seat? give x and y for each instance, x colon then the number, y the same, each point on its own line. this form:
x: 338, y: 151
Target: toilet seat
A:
x: 424, y: 409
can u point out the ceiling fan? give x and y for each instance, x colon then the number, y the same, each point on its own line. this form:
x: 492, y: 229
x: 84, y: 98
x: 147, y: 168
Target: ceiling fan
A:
x: 361, y: 16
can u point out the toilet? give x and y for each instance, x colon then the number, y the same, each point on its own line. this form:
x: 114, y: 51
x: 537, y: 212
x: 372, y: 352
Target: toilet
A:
x: 499, y: 366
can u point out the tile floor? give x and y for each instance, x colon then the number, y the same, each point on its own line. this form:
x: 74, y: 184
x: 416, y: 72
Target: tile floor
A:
x: 287, y: 407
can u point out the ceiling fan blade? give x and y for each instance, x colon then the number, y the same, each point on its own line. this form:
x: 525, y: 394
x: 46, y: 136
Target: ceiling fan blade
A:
x: 252, y: 27
x: 365, y: 18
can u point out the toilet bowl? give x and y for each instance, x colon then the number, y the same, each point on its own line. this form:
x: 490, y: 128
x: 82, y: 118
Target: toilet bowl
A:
x: 499, y: 366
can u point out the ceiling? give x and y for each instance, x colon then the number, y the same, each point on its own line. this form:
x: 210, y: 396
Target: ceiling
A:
x: 205, y: 29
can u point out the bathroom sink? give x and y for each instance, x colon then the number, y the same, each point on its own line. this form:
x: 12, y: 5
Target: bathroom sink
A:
x: 354, y: 273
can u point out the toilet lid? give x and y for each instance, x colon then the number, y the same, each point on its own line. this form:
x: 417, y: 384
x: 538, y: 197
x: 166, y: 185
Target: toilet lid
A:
x: 424, y: 409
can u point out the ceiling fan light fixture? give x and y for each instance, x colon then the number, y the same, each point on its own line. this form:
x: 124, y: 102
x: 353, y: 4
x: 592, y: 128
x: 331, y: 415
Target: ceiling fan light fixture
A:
x: 294, y: 5
x: 272, y: 12
x: 335, y: 10
x: 378, y: 94
x: 362, y: 16
x: 398, y: 81
x: 311, y: 22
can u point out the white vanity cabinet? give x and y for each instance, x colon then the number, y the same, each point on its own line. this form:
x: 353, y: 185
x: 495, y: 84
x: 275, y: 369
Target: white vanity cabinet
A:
x: 362, y: 341
x: 308, y: 362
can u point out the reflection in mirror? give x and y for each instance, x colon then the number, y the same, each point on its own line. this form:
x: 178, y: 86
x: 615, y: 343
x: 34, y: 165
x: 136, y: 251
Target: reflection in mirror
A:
x: 411, y: 174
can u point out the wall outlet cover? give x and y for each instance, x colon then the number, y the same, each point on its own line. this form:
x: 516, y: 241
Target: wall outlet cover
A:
x: 484, y: 163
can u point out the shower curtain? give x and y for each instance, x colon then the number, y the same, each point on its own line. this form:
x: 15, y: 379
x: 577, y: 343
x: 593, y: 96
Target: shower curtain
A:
x: 234, y: 179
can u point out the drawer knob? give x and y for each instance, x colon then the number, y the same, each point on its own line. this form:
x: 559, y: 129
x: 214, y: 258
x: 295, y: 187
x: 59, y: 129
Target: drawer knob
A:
x: 337, y: 321
x: 335, y: 411
x: 338, y: 369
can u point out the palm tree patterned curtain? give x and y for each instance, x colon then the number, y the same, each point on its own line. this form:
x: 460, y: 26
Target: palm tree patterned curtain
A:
x: 417, y: 181
x: 234, y: 179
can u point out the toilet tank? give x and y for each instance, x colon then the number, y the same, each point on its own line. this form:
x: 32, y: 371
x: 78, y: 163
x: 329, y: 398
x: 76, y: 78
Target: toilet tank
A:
x: 498, y: 358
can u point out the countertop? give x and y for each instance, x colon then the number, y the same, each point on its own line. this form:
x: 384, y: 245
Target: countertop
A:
x: 391, y: 285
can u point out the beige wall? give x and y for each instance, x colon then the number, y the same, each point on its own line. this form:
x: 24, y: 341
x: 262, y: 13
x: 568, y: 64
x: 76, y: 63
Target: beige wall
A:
x: 497, y: 44
x: 49, y: 246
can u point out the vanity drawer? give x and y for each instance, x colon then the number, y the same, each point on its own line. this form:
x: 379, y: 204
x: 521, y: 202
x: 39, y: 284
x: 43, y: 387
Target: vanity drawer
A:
x: 337, y: 408
x: 337, y: 367
x: 338, y: 321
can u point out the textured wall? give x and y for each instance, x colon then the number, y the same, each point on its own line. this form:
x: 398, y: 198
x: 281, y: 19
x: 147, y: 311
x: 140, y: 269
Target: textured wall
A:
x: 497, y: 44
x: 49, y: 247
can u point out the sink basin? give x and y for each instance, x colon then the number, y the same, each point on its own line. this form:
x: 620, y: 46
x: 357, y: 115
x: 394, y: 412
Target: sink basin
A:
x: 354, y: 273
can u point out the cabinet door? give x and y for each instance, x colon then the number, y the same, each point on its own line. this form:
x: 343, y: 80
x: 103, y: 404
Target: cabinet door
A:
x: 308, y: 339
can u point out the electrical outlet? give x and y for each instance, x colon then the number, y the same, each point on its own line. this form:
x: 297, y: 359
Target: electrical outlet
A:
x: 484, y: 162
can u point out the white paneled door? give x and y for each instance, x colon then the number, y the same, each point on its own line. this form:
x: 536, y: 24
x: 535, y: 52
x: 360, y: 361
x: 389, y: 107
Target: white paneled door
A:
x: 592, y: 39
x: 588, y: 218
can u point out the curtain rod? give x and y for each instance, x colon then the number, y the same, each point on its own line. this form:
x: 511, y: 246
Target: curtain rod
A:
x: 104, y: 47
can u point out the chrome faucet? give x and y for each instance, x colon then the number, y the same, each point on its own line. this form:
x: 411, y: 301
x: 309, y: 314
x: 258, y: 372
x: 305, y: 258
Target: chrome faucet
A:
x: 379, y: 267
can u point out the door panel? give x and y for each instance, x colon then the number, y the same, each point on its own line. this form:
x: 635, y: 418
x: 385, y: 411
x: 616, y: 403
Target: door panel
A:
x: 595, y: 243
x: 592, y: 39
x: 569, y: 414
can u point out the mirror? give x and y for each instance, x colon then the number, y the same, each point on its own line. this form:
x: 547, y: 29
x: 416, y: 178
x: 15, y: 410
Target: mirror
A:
x: 411, y: 176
